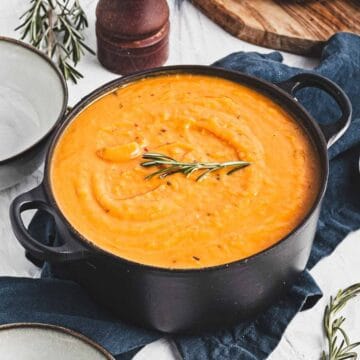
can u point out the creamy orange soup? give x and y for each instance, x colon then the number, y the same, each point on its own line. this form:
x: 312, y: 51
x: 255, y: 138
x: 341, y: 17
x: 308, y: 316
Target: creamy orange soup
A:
x: 177, y: 222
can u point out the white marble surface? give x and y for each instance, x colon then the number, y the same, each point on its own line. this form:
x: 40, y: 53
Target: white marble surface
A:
x: 194, y: 40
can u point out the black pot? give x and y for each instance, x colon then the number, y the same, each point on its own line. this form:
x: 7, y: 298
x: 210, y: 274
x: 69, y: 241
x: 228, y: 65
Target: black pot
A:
x: 181, y: 300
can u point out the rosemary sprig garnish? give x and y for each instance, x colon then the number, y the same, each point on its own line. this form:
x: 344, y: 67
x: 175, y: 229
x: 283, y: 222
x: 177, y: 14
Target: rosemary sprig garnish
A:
x: 169, y: 166
x: 55, y: 26
x: 339, y: 345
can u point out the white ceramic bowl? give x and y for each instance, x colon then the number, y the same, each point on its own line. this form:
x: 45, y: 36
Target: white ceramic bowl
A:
x: 28, y: 341
x: 33, y: 99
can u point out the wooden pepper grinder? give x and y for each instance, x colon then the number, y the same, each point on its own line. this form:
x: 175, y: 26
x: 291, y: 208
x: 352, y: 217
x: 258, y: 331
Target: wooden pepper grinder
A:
x: 132, y: 35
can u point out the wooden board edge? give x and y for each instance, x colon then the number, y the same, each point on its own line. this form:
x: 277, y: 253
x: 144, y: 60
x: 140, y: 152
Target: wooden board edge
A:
x: 234, y: 25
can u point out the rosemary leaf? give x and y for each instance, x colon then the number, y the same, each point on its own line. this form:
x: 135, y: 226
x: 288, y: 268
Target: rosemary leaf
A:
x: 55, y: 27
x: 339, y: 345
x: 169, y: 166
x: 237, y: 168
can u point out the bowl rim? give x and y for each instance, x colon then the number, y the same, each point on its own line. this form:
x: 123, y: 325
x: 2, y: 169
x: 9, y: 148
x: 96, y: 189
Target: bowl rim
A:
x: 205, y: 70
x: 60, y: 329
x: 64, y: 93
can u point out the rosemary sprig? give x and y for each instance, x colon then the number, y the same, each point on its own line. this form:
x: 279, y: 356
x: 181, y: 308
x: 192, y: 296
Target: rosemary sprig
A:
x: 55, y: 26
x: 169, y: 166
x: 339, y: 345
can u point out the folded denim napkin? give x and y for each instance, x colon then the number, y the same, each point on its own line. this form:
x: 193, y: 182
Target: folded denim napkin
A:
x: 63, y: 302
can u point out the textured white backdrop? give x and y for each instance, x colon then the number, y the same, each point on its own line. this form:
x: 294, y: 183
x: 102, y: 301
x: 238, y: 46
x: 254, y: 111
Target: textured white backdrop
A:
x: 194, y: 40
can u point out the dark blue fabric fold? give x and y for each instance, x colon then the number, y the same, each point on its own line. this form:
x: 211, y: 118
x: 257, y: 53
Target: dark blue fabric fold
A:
x: 62, y: 302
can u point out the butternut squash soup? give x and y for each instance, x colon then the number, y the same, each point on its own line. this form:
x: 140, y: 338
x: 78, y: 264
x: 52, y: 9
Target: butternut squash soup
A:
x: 177, y: 222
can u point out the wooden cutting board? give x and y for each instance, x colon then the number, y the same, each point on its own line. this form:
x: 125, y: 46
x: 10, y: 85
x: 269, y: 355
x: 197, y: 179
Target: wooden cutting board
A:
x: 297, y: 26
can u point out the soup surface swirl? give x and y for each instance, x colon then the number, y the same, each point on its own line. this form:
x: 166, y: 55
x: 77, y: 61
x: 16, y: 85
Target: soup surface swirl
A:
x: 176, y: 222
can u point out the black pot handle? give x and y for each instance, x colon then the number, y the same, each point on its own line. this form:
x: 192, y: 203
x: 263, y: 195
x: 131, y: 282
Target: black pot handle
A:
x: 36, y: 200
x: 333, y: 131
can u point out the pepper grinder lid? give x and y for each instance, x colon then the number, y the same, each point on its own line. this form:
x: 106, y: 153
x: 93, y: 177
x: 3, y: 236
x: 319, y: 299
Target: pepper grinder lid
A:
x: 132, y: 35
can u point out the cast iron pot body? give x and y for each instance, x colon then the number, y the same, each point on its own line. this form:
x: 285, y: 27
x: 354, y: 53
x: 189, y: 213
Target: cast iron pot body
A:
x: 187, y: 300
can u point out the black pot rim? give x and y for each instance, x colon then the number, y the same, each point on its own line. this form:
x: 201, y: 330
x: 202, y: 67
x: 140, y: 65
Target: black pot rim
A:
x: 200, y: 70
x: 63, y: 107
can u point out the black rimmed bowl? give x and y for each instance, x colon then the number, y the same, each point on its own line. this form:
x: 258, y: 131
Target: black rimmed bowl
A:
x: 29, y: 341
x: 188, y: 300
x: 33, y: 99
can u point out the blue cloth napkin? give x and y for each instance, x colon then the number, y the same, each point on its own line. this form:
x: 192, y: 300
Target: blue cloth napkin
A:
x: 64, y: 303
